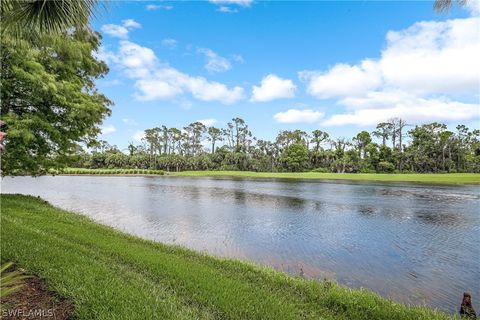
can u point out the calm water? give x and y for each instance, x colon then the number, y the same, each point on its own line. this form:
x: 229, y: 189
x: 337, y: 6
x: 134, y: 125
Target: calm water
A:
x: 416, y: 244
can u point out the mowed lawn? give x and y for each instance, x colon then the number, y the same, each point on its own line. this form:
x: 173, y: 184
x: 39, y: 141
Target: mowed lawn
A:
x: 111, y: 275
x: 444, y: 178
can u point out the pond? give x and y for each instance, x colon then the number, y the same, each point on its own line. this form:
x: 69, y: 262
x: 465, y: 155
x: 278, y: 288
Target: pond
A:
x: 416, y: 244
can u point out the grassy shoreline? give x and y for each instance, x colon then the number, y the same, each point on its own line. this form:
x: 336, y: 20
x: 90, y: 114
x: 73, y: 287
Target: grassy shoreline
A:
x: 123, y: 172
x: 425, y: 178
x: 428, y: 178
x: 108, y: 274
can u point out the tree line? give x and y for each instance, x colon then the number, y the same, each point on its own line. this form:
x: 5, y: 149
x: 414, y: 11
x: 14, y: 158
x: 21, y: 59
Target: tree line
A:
x: 394, y: 146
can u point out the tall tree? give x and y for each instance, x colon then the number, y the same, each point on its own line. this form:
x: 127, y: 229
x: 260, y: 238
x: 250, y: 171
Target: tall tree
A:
x: 318, y: 137
x: 195, y: 133
x: 214, y: 135
x: 382, y: 131
x: 363, y: 139
x: 49, y: 101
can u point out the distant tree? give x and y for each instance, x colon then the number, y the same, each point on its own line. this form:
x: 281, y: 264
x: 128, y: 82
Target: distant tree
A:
x: 131, y: 149
x: 152, y: 138
x: 294, y: 157
x: 362, y: 139
x: 318, y: 137
x: 431, y: 148
x: 214, y: 135
x: 195, y: 133
x: 382, y: 131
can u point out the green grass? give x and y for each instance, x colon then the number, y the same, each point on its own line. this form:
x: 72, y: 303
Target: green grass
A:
x: 445, y: 178
x: 111, y: 275
x: 75, y: 171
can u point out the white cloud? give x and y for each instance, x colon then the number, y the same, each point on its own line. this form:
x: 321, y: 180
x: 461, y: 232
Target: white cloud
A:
x: 153, y: 7
x: 474, y: 7
x: 242, y: 3
x: 420, y: 74
x: 343, y: 80
x: 208, y: 122
x: 130, y: 23
x: 159, y: 81
x: 414, y: 111
x: 114, y: 30
x: 299, y: 116
x: 156, y: 89
x: 169, y: 43
x: 273, y: 87
x: 434, y: 57
x: 138, y: 61
x: 215, y: 63
x: 226, y: 9
x: 139, y: 135
x: 120, y: 31
x: 205, y: 90
x: 108, y: 129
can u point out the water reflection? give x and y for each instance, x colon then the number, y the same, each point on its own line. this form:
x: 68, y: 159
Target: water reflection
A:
x: 416, y: 244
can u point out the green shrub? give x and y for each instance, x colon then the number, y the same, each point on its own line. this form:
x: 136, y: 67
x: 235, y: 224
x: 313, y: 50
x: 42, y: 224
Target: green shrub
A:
x: 386, y: 167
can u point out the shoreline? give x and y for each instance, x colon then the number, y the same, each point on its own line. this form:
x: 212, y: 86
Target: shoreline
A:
x: 417, y: 178
x: 119, y: 267
x: 427, y: 178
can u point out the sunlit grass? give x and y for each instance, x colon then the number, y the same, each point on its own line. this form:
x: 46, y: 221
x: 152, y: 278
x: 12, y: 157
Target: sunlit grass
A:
x: 111, y: 275
x: 445, y: 178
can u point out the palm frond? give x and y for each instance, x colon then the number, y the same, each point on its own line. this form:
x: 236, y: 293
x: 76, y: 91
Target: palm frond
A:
x: 11, y: 281
x: 445, y: 5
x: 46, y: 16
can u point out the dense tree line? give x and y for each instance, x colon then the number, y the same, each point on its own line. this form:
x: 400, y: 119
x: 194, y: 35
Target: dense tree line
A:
x: 400, y: 148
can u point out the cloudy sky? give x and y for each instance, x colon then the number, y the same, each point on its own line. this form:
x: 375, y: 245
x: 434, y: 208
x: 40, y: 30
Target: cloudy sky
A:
x: 337, y: 66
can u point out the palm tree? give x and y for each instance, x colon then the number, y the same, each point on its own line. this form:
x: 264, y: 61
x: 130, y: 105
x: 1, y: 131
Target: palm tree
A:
x: 45, y: 16
x: 445, y: 5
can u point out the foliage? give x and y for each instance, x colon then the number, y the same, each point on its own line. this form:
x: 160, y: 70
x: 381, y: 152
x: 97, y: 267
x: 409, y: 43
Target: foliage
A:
x: 33, y: 18
x: 111, y: 275
x: 385, y: 167
x: 49, y: 101
x: 445, y: 5
x: 294, y: 157
x: 427, y: 148
x: 107, y: 171
x: 11, y: 280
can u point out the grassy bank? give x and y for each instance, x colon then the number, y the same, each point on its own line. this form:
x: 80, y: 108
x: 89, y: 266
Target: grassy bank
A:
x: 446, y: 178
x: 75, y: 171
x: 111, y: 275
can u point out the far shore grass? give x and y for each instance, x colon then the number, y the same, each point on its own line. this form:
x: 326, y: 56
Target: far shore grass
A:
x: 440, y: 178
x: 426, y: 178
x: 101, y: 171
x: 111, y: 275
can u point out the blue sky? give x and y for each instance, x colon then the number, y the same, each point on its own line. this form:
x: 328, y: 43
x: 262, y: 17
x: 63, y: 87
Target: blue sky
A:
x: 336, y: 66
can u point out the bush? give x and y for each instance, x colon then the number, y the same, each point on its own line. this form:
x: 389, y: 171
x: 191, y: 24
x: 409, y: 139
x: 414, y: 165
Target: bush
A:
x: 321, y: 170
x: 386, y: 167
